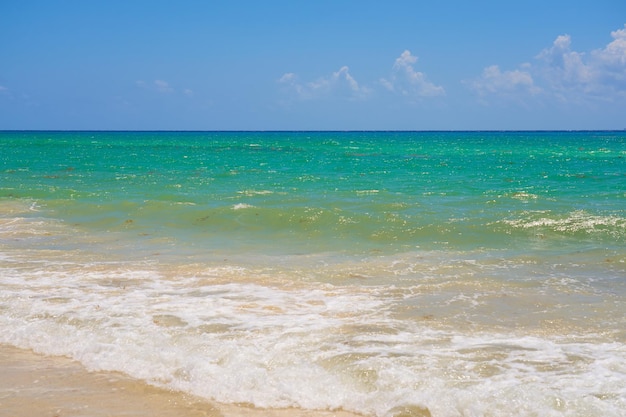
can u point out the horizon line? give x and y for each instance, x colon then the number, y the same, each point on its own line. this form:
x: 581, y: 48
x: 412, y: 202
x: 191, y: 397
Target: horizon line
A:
x: 310, y: 130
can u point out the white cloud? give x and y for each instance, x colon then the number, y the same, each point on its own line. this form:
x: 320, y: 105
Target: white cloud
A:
x: 344, y: 74
x: 561, y: 73
x: 291, y: 81
x: 339, y: 84
x: 404, y: 80
x: 614, y: 54
x: 163, y: 86
x: 579, y: 76
x: 562, y: 69
x: 609, y: 63
x: 288, y: 77
x: 493, y: 80
x: 407, y: 81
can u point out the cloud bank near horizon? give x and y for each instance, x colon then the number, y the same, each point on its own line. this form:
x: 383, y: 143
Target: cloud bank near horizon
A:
x: 558, y: 72
x: 561, y: 73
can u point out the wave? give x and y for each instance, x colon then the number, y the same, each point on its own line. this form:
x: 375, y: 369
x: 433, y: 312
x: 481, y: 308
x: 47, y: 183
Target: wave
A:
x: 575, y: 223
x: 313, y: 347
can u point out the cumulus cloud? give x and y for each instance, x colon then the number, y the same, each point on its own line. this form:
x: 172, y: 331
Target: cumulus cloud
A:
x: 338, y: 84
x: 572, y: 75
x: 614, y: 54
x: 563, y: 73
x: 563, y: 70
x: 405, y: 80
x: 493, y: 80
x: 609, y: 63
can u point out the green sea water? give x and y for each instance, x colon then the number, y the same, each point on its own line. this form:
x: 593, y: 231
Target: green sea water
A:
x: 317, y: 191
x: 455, y: 272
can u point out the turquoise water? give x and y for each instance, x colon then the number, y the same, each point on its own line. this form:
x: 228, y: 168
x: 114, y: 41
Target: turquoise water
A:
x: 312, y: 191
x: 460, y: 272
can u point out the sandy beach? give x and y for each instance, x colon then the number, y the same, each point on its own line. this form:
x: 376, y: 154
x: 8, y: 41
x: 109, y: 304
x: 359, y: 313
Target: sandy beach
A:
x: 44, y: 386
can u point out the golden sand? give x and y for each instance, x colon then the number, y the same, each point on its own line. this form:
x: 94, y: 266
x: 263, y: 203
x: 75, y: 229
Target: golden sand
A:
x: 33, y: 385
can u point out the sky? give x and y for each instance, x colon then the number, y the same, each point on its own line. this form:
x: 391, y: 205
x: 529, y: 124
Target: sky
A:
x: 312, y: 65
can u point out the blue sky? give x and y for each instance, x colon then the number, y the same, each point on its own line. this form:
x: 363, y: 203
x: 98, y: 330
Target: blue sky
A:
x: 312, y: 65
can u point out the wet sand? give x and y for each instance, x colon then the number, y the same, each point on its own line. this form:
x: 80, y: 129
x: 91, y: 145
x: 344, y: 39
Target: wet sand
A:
x: 43, y: 386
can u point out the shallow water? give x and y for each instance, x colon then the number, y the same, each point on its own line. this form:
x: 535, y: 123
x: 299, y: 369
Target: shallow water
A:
x: 466, y: 274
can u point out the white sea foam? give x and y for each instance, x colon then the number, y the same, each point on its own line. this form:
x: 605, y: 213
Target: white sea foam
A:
x: 318, y: 347
x: 577, y: 221
x: 240, y: 206
x: 449, y: 332
x: 255, y: 192
x: 524, y: 196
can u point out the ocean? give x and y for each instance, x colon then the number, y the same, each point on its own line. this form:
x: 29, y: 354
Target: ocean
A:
x: 380, y: 273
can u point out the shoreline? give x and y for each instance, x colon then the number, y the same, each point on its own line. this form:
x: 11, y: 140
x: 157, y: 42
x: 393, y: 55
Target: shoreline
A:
x: 50, y: 386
